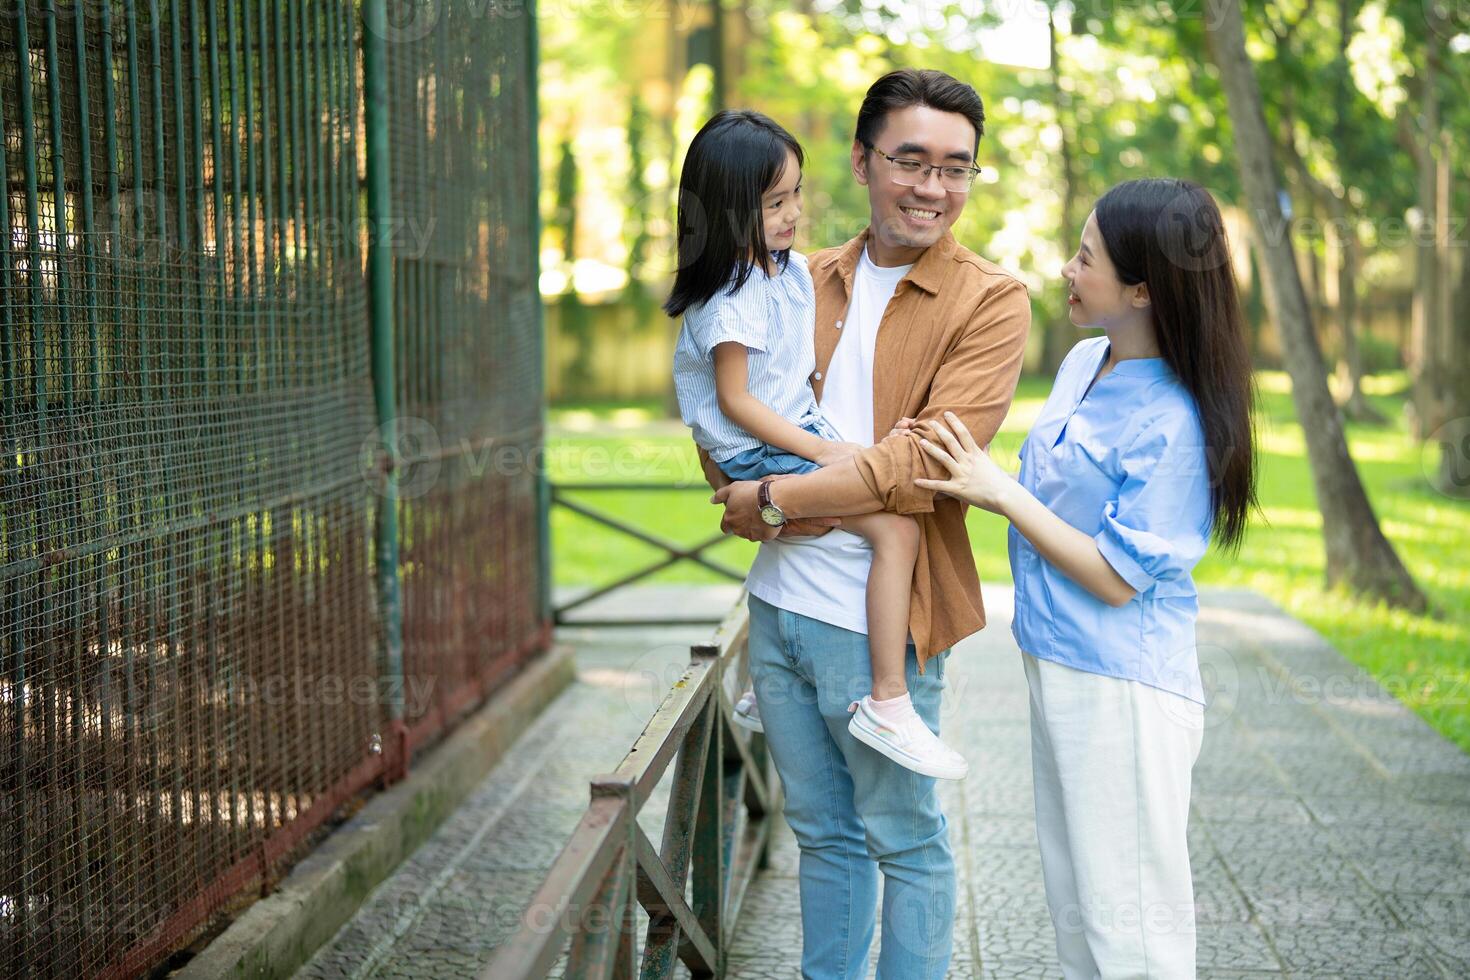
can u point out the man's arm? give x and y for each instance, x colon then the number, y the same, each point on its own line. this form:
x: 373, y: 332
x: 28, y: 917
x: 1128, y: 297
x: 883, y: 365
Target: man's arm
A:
x: 718, y: 481
x: 976, y: 381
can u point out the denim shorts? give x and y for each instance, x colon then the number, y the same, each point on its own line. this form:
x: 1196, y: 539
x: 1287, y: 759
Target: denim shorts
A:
x: 769, y: 460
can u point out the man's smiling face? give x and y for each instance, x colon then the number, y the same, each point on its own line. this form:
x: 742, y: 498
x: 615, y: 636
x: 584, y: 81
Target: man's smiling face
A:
x: 907, y: 220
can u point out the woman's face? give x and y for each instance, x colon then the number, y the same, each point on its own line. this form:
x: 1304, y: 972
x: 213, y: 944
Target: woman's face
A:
x: 781, y: 206
x: 1098, y: 298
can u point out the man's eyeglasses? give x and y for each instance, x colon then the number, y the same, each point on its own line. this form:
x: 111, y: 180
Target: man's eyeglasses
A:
x: 912, y: 173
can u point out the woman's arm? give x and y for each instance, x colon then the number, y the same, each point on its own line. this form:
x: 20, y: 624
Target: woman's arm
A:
x: 755, y: 417
x: 1074, y: 553
x: 975, y: 477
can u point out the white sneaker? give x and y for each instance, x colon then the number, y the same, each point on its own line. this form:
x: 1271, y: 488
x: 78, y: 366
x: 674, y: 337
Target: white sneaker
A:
x: 748, y: 713
x: 909, y: 743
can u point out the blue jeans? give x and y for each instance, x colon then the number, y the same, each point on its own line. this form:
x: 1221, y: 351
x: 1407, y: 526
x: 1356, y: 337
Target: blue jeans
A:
x: 766, y: 460
x: 853, y: 811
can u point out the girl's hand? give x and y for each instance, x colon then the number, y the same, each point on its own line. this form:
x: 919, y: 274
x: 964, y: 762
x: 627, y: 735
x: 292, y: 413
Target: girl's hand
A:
x: 902, y: 425
x: 973, y: 475
x: 836, y: 452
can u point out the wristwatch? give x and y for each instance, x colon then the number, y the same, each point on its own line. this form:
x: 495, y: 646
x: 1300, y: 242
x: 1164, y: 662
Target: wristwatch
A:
x: 770, y: 513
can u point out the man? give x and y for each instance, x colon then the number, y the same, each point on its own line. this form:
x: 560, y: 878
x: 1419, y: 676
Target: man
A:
x: 908, y: 324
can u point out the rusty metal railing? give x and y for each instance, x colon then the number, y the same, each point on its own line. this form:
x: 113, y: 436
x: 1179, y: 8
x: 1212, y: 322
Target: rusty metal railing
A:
x: 673, y: 553
x: 717, y: 826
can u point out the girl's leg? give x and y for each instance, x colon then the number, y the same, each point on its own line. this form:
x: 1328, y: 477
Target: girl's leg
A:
x: 895, y: 541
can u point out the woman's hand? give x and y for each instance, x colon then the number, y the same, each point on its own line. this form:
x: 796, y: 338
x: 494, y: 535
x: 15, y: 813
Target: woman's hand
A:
x: 836, y: 452
x: 903, y: 425
x: 973, y: 475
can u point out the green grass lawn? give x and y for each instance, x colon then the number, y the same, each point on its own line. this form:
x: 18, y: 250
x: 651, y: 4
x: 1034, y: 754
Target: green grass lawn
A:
x: 1424, y: 660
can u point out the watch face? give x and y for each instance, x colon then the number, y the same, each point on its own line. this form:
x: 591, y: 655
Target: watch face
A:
x: 772, y: 515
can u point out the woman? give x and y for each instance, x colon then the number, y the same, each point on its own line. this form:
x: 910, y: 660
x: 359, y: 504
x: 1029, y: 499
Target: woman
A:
x: 1143, y: 450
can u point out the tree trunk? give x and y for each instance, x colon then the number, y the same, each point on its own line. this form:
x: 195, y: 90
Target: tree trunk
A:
x: 1428, y: 274
x: 1442, y: 329
x: 1357, y: 553
x: 1061, y: 334
x: 1454, y: 437
x: 675, y: 68
x: 1355, y: 404
x: 720, y: 97
x: 1342, y: 262
x: 1255, y: 307
x: 1316, y: 293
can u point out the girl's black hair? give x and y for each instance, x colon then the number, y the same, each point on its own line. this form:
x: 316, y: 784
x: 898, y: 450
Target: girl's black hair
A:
x: 733, y: 160
x: 1169, y: 234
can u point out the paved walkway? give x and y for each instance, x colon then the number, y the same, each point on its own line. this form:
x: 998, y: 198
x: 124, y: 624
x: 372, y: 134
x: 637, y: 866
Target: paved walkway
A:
x: 1330, y: 834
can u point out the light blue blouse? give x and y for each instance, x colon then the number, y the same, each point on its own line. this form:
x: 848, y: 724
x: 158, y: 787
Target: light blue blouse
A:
x: 1125, y: 464
x: 774, y: 317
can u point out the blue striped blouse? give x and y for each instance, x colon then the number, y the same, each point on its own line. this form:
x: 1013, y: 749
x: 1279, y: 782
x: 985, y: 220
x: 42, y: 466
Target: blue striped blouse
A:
x: 774, y: 317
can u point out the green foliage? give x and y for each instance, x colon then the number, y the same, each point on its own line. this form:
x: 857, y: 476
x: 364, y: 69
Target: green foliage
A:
x: 1379, y: 356
x: 1132, y: 93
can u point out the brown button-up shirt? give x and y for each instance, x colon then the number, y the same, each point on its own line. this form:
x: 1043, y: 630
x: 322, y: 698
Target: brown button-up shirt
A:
x: 951, y: 339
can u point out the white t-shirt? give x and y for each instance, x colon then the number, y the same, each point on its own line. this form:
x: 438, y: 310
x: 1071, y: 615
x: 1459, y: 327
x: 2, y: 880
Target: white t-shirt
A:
x: 826, y: 578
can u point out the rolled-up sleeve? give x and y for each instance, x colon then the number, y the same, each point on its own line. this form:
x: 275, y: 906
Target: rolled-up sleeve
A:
x: 976, y: 381
x: 1158, y: 527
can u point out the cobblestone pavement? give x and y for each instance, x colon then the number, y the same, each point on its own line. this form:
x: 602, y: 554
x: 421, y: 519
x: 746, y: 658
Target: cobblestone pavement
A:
x: 1330, y: 832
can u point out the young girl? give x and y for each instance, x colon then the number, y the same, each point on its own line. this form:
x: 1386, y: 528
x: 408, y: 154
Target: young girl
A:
x: 1143, y: 450
x: 742, y: 372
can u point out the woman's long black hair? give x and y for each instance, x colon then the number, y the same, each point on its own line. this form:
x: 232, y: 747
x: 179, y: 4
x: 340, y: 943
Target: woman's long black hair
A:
x: 1169, y: 234
x: 732, y: 161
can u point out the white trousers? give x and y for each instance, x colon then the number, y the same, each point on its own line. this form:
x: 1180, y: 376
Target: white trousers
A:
x: 1111, y: 763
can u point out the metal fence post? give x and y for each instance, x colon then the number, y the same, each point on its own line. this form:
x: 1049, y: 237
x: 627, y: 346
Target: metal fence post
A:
x: 380, y: 304
x: 710, y: 868
x: 543, y: 478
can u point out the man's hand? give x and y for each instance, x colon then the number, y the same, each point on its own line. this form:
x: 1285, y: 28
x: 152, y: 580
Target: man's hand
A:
x: 742, y: 514
x: 904, y: 424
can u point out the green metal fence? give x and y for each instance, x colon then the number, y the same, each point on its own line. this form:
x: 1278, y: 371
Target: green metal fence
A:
x: 269, y: 510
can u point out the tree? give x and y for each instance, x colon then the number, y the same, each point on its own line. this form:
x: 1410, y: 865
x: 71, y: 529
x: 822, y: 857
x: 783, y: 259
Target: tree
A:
x: 1332, y: 146
x: 1357, y: 552
x: 576, y: 320
x: 1437, y: 349
x: 1059, y: 334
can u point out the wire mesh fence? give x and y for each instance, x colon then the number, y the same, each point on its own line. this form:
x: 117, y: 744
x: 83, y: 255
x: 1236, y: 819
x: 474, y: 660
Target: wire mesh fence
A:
x: 192, y: 675
x: 464, y: 261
